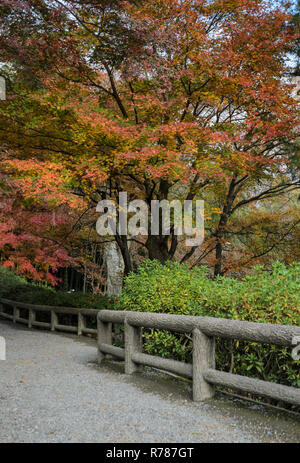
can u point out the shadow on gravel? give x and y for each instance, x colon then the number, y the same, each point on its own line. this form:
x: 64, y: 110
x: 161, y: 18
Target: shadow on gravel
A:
x: 258, y: 419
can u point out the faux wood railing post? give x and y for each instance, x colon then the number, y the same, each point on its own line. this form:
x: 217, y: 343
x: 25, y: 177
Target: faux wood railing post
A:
x: 133, y: 344
x: 104, y: 337
x: 31, y: 317
x: 80, y: 325
x: 203, y: 359
x: 16, y: 313
x: 54, y: 320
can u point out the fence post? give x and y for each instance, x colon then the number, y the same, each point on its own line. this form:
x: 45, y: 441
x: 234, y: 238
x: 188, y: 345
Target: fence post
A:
x: 54, y: 320
x: 203, y: 358
x: 81, y: 324
x: 31, y: 317
x: 16, y: 313
x: 104, y: 337
x: 133, y: 343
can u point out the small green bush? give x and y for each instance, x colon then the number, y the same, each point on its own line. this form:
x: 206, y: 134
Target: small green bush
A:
x: 9, y: 281
x: 266, y: 297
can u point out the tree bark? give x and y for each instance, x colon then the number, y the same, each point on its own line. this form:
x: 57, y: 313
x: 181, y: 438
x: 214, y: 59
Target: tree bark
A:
x: 123, y: 243
x: 220, y: 232
x: 157, y: 247
x: 115, y: 268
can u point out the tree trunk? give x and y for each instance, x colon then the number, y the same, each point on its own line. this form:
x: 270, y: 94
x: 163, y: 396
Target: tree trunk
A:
x: 220, y: 233
x: 72, y: 278
x: 66, y: 280
x: 84, y: 281
x: 219, y: 256
x: 123, y: 244
x: 157, y: 247
x: 114, y: 267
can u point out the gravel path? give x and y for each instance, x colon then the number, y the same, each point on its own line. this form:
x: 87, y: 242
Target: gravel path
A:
x: 51, y: 390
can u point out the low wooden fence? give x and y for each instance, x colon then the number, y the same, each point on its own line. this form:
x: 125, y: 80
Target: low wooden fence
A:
x: 53, y: 324
x: 204, y: 330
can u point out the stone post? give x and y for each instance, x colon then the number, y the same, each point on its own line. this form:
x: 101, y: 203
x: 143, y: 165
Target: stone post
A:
x: 31, y: 317
x: 16, y: 313
x: 104, y: 337
x: 133, y: 343
x: 81, y: 324
x: 203, y: 358
x: 54, y: 320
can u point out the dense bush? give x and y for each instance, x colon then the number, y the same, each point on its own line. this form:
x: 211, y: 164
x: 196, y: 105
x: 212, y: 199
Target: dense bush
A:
x: 266, y: 297
x: 18, y: 289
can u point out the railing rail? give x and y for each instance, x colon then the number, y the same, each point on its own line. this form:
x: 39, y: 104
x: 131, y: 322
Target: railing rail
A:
x: 204, y: 330
x: 54, y: 324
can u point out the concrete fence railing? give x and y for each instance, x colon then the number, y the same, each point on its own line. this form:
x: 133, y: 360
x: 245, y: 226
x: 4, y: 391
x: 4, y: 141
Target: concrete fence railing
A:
x: 204, y: 330
x: 53, y: 324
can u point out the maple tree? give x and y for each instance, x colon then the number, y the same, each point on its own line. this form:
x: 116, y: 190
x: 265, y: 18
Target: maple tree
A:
x: 163, y: 99
x: 43, y: 224
x: 31, y: 221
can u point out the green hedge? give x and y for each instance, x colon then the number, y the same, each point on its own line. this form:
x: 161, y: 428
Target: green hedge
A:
x: 266, y: 297
x: 18, y: 289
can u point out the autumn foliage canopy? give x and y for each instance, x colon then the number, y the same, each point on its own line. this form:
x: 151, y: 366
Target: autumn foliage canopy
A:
x: 163, y: 99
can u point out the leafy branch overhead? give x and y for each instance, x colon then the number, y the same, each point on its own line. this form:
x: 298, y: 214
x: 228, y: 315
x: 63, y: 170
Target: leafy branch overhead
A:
x: 162, y: 99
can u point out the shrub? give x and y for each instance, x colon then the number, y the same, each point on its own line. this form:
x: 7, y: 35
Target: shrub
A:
x: 9, y: 281
x: 18, y: 289
x: 266, y: 297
